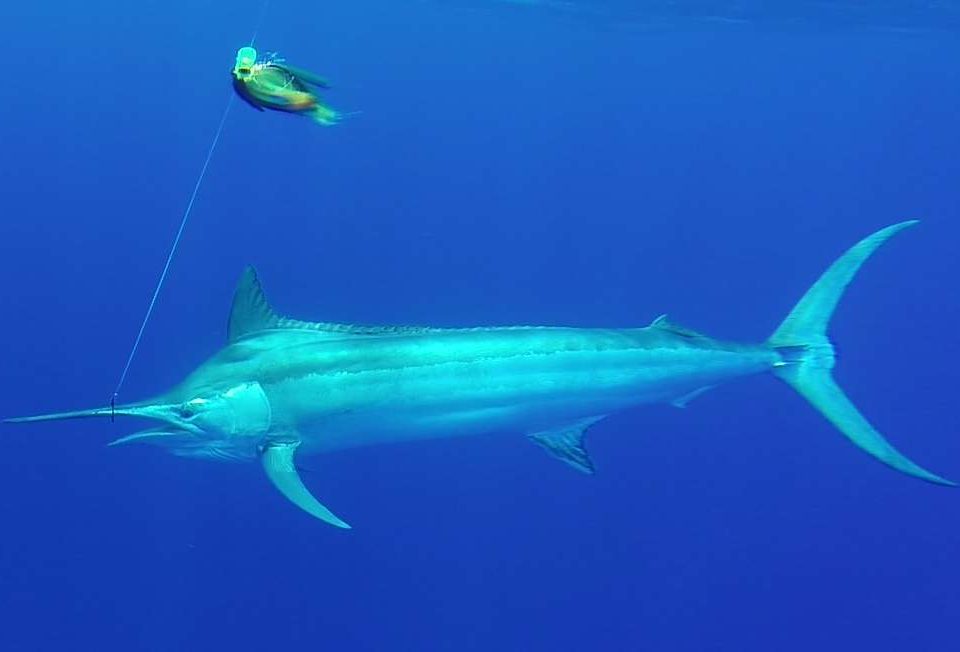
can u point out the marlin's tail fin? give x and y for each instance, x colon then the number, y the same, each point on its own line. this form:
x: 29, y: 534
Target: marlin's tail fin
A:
x: 808, y: 355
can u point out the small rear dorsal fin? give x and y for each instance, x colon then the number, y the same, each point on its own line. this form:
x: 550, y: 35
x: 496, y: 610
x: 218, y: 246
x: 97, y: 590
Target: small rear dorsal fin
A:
x: 664, y: 324
x: 251, y: 312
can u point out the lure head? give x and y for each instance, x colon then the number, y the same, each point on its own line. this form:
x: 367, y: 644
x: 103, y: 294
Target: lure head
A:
x: 246, y: 60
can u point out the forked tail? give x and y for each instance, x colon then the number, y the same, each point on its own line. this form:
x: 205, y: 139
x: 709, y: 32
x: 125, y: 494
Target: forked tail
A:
x: 808, y: 355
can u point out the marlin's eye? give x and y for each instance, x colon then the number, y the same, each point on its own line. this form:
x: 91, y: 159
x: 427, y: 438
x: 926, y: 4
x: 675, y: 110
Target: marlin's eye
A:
x: 191, y: 408
x: 186, y: 411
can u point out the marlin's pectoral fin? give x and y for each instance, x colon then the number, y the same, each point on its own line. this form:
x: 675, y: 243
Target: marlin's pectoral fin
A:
x: 277, y: 459
x: 567, y: 444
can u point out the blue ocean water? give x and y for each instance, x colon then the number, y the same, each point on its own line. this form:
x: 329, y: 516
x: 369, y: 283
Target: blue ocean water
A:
x: 511, y: 163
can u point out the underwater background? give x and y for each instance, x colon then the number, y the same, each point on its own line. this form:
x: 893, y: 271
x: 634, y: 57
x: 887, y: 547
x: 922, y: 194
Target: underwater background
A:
x: 588, y: 164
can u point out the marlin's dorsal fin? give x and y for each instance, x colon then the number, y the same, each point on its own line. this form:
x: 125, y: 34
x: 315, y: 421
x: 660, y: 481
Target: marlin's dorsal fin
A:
x: 251, y: 312
x: 566, y: 444
x: 277, y: 459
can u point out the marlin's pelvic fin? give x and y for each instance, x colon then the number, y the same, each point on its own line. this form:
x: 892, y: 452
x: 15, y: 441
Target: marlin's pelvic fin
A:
x: 808, y: 356
x: 277, y: 459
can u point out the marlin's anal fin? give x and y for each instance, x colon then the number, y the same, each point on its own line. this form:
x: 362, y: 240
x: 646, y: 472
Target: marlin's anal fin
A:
x: 567, y: 444
x: 277, y: 459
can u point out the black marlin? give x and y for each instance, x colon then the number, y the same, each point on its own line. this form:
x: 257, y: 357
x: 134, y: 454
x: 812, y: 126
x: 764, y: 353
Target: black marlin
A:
x: 283, y: 387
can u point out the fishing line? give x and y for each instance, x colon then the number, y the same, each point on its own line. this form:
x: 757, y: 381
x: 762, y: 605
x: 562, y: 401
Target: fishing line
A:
x: 263, y: 13
x: 180, y: 230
